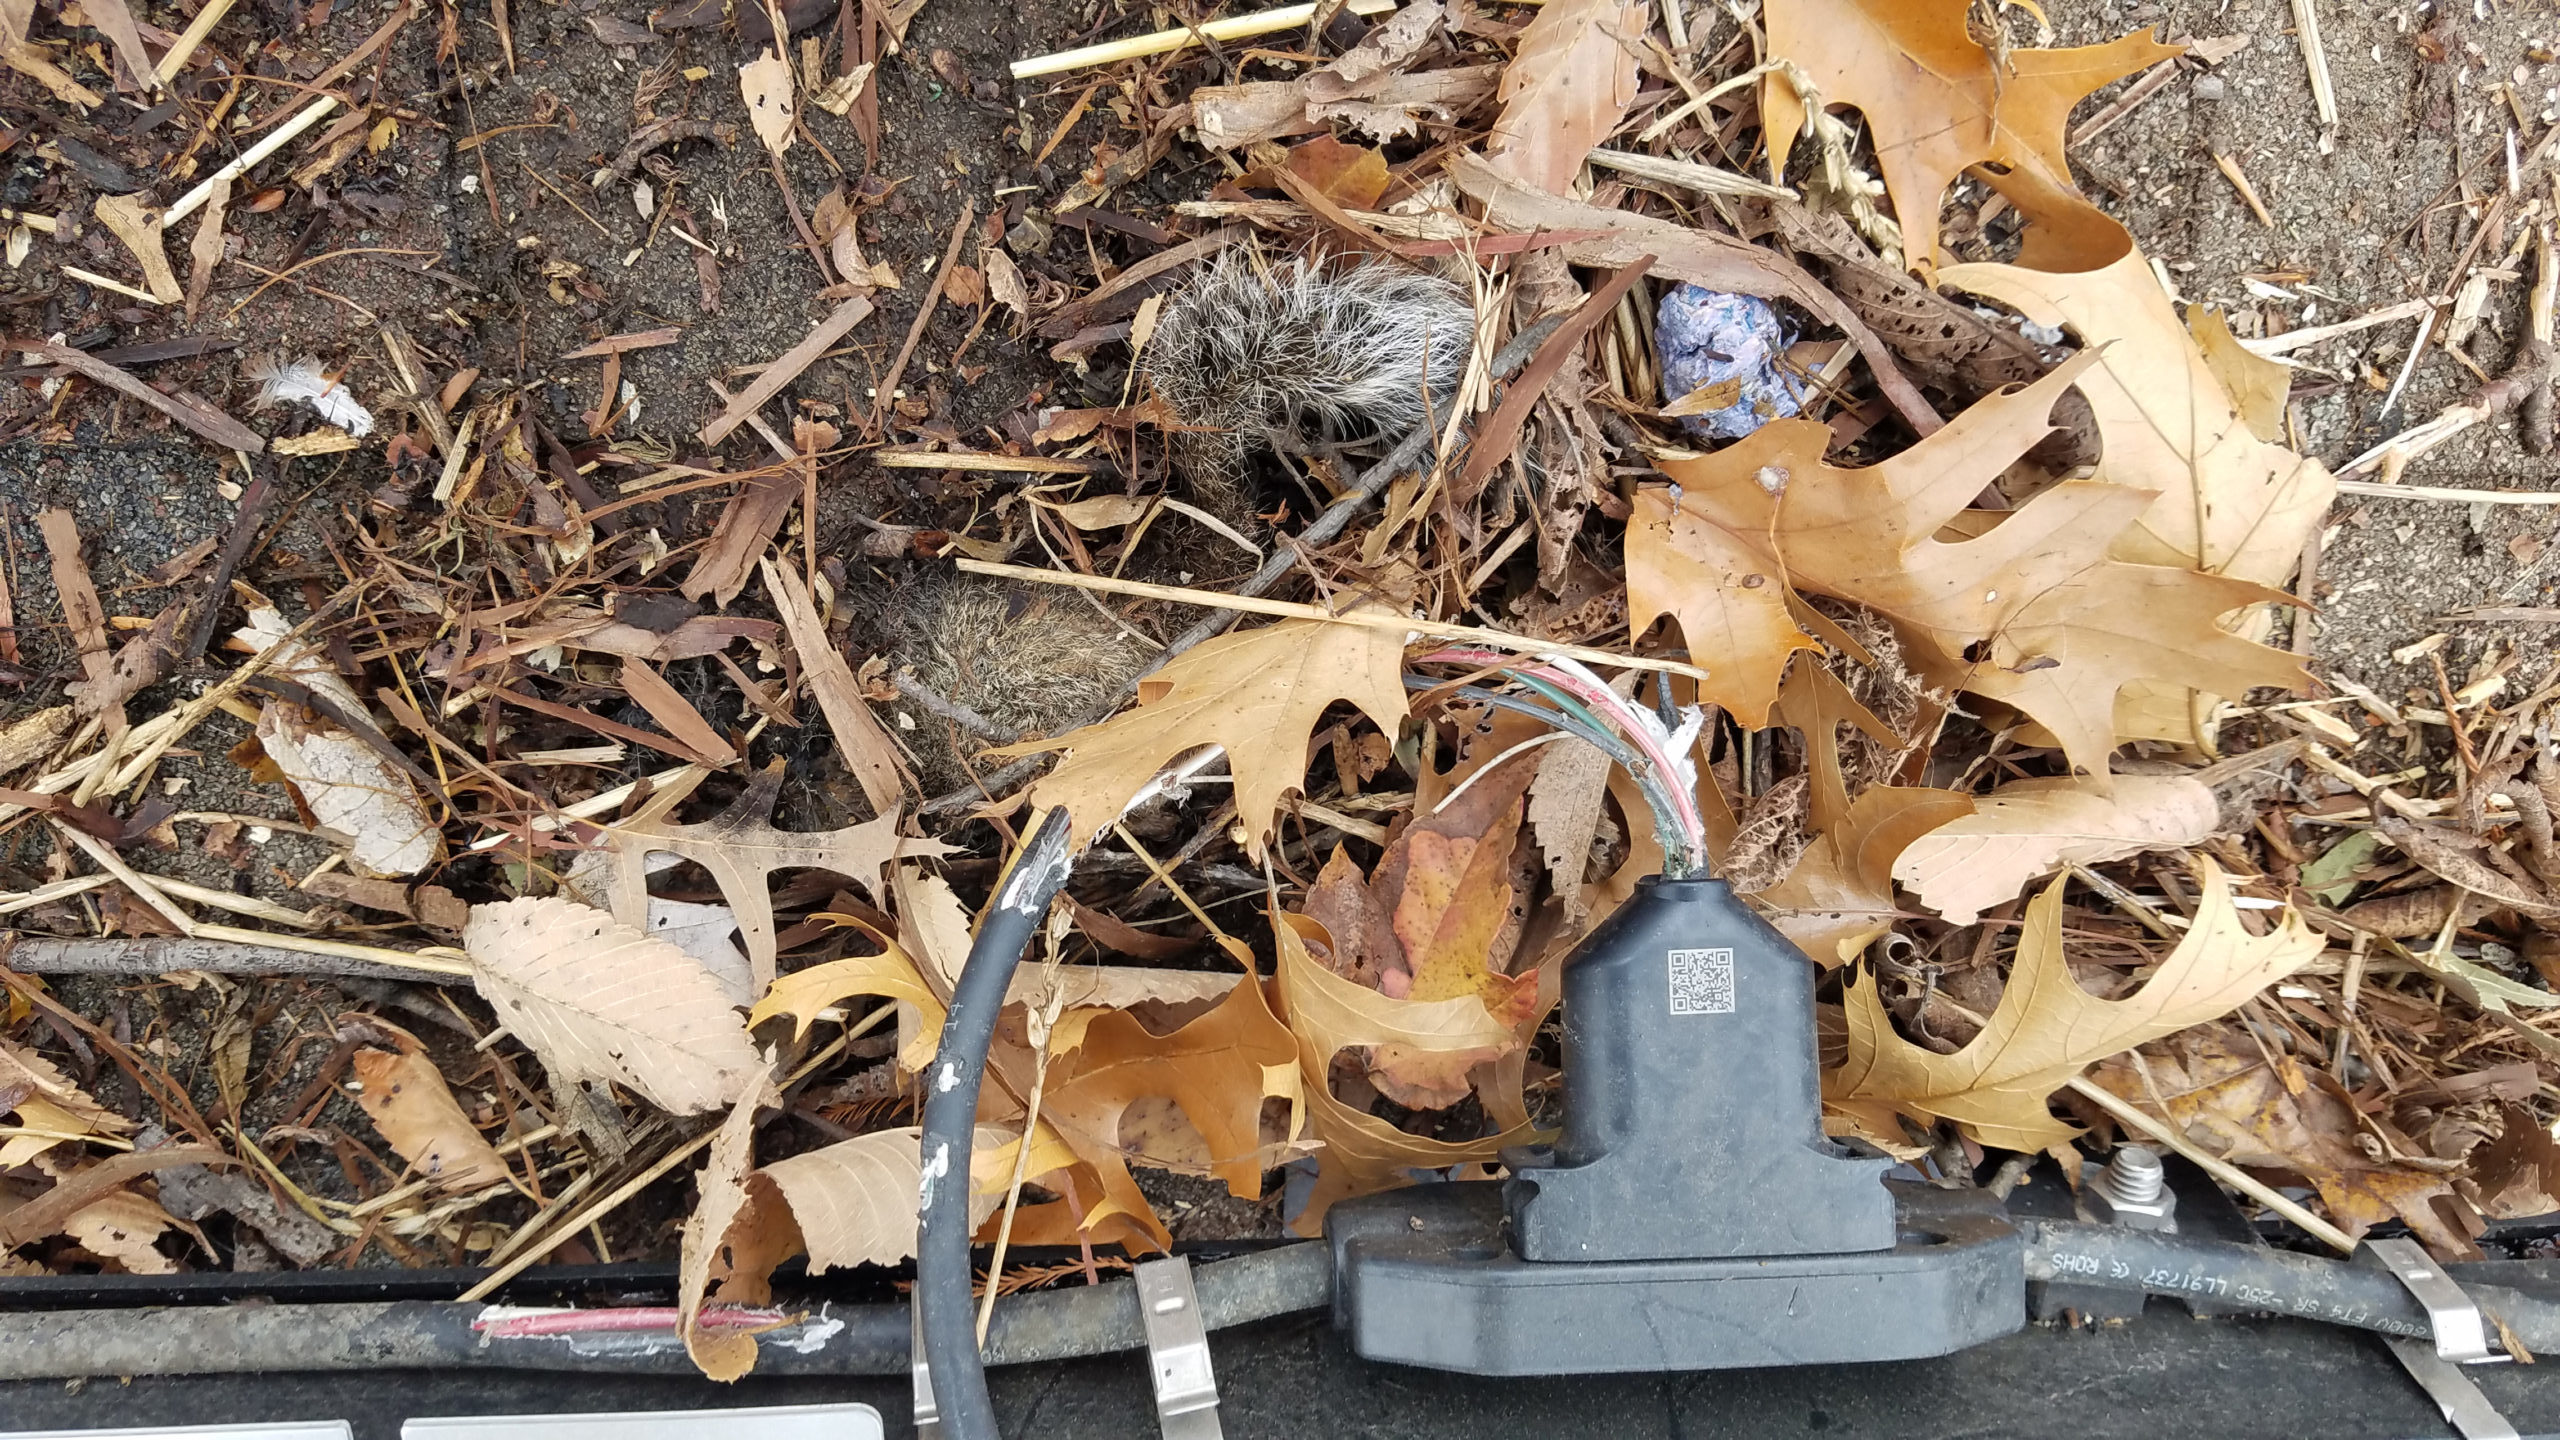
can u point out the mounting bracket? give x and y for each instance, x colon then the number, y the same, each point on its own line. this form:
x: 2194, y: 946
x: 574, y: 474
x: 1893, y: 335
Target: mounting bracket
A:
x: 1690, y: 1215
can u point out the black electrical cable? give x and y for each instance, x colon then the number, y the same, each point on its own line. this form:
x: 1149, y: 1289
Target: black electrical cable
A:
x: 950, y: 1122
x: 49, y: 1343
x: 2308, y: 1287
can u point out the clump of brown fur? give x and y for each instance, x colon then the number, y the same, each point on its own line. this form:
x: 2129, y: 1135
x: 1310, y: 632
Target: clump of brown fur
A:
x: 1030, y: 659
x: 1298, y: 355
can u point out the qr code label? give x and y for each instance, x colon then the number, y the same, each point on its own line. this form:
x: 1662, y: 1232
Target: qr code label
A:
x: 1702, y: 982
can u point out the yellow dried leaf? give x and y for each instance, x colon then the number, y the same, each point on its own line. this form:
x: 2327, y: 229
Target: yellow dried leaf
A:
x: 2047, y: 1029
x: 891, y: 974
x: 1258, y: 695
x: 2034, y: 613
x: 1939, y: 104
x: 2226, y: 501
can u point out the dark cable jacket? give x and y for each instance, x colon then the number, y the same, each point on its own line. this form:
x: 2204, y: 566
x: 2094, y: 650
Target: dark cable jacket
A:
x: 950, y: 1121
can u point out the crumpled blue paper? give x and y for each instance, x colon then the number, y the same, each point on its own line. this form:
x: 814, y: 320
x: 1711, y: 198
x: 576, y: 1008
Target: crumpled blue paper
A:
x: 1708, y: 337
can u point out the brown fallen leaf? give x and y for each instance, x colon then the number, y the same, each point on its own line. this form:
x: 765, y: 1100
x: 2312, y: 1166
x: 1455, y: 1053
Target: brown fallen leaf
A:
x: 1219, y: 1068
x: 1569, y: 83
x: 600, y: 1000
x: 742, y: 850
x: 122, y: 1227
x: 1730, y: 603
x: 50, y: 1110
x: 860, y: 738
x: 1566, y: 805
x: 406, y: 1096
x: 854, y: 1202
x: 723, y: 1260
x: 2032, y: 613
x: 2218, y: 1088
x: 2454, y: 856
x: 1258, y: 694
x: 2047, y: 1029
x: 1939, y: 104
x: 2515, y: 1176
x: 2226, y: 500
x: 1361, y: 1153
x: 850, y: 1203
x: 2256, y: 385
x: 675, y: 714
x: 2027, y: 828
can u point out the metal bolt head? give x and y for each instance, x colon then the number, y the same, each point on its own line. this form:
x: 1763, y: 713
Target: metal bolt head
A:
x: 2131, y: 1191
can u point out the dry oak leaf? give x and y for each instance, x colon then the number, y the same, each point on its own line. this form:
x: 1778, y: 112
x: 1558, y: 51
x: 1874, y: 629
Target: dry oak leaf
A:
x: 1568, y: 85
x: 1939, y: 104
x: 2027, y: 828
x: 2226, y: 502
x: 413, y: 1108
x: 2220, y: 1092
x: 1731, y: 605
x: 742, y: 849
x: 2032, y: 613
x: 1219, y: 1068
x: 1327, y: 1014
x: 892, y: 974
x: 1440, y: 920
x: 1839, y: 896
x: 2046, y: 1028
x: 599, y: 1000
x: 1258, y: 695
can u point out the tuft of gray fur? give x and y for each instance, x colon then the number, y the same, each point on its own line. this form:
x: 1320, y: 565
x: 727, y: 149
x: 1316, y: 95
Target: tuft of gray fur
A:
x: 1029, y: 662
x: 1299, y: 354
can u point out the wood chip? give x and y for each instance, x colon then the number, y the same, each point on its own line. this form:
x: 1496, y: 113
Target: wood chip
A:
x: 623, y: 344
x: 136, y: 221
x: 670, y: 709
x: 867, y: 749
x: 81, y: 609
x: 785, y: 370
x: 207, y: 422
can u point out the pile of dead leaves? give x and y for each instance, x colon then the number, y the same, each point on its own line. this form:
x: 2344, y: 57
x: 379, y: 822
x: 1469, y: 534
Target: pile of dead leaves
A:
x: 1980, y: 641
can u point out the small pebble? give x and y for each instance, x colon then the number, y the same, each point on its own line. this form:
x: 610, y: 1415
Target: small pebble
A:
x: 2208, y: 87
